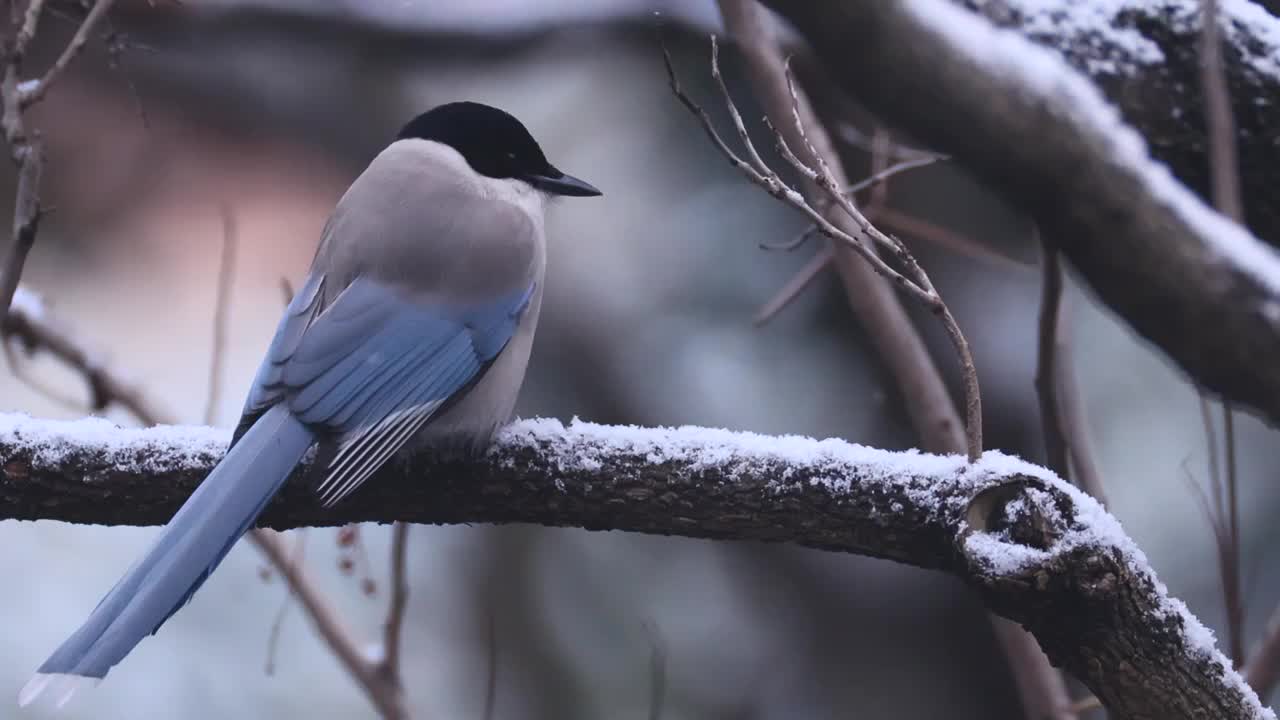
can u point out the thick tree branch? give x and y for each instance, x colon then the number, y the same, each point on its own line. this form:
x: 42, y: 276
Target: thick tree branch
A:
x: 1038, y: 550
x: 1147, y: 59
x: 1186, y: 278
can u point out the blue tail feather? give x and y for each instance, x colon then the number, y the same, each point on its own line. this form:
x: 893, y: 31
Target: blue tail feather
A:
x: 198, y: 537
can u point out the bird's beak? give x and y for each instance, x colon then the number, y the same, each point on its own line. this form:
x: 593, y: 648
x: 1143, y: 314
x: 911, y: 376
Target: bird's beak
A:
x: 555, y: 182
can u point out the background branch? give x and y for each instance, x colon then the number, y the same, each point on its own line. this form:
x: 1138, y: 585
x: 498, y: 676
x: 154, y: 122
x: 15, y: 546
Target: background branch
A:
x: 25, y: 146
x: 1182, y: 276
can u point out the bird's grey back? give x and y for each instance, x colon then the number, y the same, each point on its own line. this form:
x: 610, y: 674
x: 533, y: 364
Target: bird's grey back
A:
x: 413, y: 221
x: 410, y: 221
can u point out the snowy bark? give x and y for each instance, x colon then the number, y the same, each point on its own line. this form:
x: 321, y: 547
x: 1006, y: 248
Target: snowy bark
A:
x: 1045, y: 138
x: 1039, y: 551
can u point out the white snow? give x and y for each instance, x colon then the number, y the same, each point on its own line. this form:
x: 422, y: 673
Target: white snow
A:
x: 1072, y: 24
x: 1076, y: 100
x: 27, y: 303
x: 930, y: 482
x: 1119, y: 49
x: 165, y: 448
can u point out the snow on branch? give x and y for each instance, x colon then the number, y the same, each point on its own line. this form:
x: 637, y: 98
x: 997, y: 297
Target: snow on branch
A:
x: 1203, y: 289
x: 1145, y: 57
x: 1039, y: 551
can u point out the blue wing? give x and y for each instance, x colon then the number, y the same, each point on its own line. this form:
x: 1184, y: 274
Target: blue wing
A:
x: 264, y: 392
x: 372, y: 368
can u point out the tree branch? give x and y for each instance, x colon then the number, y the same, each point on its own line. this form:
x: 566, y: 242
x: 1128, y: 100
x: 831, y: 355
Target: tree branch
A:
x: 30, y: 323
x: 1147, y: 58
x: 1189, y: 280
x: 1039, y: 551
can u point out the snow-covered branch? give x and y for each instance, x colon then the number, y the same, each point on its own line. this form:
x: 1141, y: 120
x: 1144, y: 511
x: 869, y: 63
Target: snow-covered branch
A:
x: 1200, y: 287
x: 1038, y: 550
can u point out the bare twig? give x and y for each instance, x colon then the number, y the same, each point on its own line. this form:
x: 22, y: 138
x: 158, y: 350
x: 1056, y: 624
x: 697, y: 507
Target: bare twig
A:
x: 1225, y: 174
x: 273, y: 639
x: 32, y: 93
x: 657, y: 670
x: 946, y: 238
x: 390, y: 666
x: 875, y: 304
x: 1223, y: 165
x: 793, y: 287
x: 25, y: 146
x: 881, y: 155
x: 27, y: 32
x: 1263, y: 668
x: 491, y: 675
x: 226, y: 274
x: 1055, y: 440
x: 1074, y: 419
x: 846, y: 132
x: 386, y: 696
x: 1224, y: 521
x: 31, y: 323
x: 794, y: 243
x: 918, y: 284
x: 877, y: 178
x: 1232, y: 594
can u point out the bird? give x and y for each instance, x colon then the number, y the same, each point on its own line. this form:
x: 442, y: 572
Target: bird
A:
x: 412, y: 330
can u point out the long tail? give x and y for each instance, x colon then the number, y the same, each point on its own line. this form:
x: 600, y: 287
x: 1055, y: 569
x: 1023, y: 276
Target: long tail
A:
x: 193, y: 543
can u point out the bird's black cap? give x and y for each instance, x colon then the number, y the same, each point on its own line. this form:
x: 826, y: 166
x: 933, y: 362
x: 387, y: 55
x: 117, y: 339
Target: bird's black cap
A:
x: 494, y: 143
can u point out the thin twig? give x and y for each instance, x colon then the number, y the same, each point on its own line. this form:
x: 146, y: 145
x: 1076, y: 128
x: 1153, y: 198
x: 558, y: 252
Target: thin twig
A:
x: 877, y: 178
x: 1055, y: 440
x: 27, y: 32
x: 1074, y: 418
x: 872, y: 298
x: 226, y: 274
x: 881, y: 154
x: 399, y: 599
x: 1263, y: 669
x: 33, y: 93
x: 1225, y: 173
x: 657, y: 670
x: 491, y: 652
x: 386, y: 696
x: 793, y: 287
x: 25, y: 146
x: 794, y: 243
x: 851, y: 135
x: 1233, y: 596
x: 34, y: 325
x: 273, y: 638
x: 1214, y: 466
x: 1223, y: 164
x: 946, y: 238
x: 1224, y: 521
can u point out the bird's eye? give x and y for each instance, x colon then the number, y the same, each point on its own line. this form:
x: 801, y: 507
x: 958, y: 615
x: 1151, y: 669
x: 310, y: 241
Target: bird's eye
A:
x: 511, y: 156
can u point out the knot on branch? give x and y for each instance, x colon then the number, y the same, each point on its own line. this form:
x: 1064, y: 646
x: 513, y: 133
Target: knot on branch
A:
x: 1025, y: 534
x: 1021, y: 511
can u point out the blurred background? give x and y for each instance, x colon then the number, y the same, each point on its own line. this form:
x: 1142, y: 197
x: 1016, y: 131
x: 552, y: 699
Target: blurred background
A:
x: 272, y: 107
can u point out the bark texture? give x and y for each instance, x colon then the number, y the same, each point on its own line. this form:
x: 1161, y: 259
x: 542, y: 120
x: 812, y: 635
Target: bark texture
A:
x: 1039, y: 551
